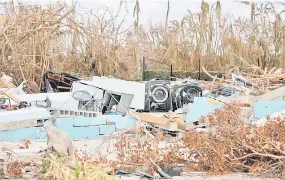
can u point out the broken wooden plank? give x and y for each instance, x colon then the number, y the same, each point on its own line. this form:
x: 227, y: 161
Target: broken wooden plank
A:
x: 167, y: 122
x: 11, y: 96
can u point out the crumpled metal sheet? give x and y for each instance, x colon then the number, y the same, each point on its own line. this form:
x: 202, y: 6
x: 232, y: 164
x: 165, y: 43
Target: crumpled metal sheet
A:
x: 121, y: 86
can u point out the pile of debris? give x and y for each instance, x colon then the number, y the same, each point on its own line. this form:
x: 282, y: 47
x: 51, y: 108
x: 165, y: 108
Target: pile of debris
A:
x: 153, y: 129
x: 257, y: 80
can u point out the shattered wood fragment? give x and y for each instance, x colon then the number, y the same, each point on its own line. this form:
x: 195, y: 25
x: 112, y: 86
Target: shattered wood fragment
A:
x: 166, y: 121
x: 259, y: 82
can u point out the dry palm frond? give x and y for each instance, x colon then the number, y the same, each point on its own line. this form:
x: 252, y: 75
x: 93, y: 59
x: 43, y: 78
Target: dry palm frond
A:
x: 59, y: 38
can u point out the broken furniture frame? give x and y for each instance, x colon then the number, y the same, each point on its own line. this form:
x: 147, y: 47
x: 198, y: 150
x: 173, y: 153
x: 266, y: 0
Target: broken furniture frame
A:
x: 57, y: 82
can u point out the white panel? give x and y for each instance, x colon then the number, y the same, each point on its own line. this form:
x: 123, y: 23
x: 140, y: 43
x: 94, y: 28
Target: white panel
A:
x: 95, y: 92
x: 58, y: 100
x: 124, y: 104
x: 120, y: 86
x: 25, y: 114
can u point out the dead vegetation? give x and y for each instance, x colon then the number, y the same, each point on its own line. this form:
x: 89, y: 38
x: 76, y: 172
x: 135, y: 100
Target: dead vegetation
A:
x: 262, y: 81
x: 57, y: 166
x: 137, y: 152
x: 234, y: 146
x: 230, y: 146
x: 34, y: 39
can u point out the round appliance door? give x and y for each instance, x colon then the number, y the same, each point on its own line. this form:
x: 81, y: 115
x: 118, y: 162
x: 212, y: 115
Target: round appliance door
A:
x: 189, y: 93
x: 159, y: 94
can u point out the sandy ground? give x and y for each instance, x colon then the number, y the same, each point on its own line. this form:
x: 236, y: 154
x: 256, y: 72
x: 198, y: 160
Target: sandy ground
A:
x: 90, y: 146
x: 201, y: 177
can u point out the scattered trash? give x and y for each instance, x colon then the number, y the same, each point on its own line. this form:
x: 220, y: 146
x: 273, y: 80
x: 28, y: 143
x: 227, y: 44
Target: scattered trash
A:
x: 183, y: 122
x: 173, y: 171
x: 25, y: 144
x: 240, y: 79
x: 161, y: 172
x: 227, y: 91
x: 55, y: 82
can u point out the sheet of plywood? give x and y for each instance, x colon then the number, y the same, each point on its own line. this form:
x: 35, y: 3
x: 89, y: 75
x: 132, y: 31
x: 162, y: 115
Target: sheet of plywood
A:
x: 163, y: 120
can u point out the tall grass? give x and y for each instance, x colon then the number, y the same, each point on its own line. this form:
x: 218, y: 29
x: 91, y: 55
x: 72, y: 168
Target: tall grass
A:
x: 59, y: 38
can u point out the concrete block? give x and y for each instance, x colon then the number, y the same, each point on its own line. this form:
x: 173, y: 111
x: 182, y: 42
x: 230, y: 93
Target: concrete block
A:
x: 32, y: 133
x: 64, y: 122
x: 59, y: 141
x: 202, y: 107
x: 106, y: 129
x: 81, y: 122
x: 79, y: 132
x: 101, y: 120
x: 121, y: 122
x: 75, y: 113
x: 86, y: 121
x: 265, y: 108
x: 24, y: 114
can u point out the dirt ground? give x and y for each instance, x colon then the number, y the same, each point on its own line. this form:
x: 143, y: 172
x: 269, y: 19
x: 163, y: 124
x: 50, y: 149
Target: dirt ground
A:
x: 201, y: 177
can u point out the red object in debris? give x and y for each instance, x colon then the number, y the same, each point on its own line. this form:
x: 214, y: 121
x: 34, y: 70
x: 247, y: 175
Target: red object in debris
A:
x: 7, y: 107
x: 27, y: 143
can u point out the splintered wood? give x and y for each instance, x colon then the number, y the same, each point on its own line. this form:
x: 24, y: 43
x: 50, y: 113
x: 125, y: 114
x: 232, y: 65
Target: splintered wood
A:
x: 262, y: 81
x: 169, y: 121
